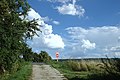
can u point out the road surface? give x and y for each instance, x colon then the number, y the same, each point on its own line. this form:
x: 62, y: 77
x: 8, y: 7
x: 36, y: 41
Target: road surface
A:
x: 46, y: 72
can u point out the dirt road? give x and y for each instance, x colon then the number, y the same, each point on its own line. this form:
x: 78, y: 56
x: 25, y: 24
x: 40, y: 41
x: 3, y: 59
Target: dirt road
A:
x: 46, y: 72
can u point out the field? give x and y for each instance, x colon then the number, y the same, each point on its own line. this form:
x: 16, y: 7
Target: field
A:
x: 88, y: 69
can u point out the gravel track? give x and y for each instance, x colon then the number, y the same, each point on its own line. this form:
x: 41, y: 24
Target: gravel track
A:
x: 46, y: 72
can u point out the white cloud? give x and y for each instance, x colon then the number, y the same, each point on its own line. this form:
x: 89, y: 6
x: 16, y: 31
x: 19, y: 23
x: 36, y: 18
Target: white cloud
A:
x: 98, y: 33
x: 47, y: 19
x: 56, y: 22
x: 47, y: 39
x: 86, y: 44
x: 71, y: 9
x: 54, y: 41
x: 115, y: 49
x: 97, y: 41
x: 33, y: 14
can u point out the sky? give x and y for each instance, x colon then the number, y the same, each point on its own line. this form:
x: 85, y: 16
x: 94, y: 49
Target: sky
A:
x: 76, y: 28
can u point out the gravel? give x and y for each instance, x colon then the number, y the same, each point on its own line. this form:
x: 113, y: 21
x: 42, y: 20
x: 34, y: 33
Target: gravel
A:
x: 46, y: 72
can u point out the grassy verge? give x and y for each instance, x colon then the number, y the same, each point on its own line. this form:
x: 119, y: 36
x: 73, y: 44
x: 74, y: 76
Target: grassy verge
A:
x: 88, y: 69
x: 78, y: 70
x: 23, y: 74
x: 70, y: 72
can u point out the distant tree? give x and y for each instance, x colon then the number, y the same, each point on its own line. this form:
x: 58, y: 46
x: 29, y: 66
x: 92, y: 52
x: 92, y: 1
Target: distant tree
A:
x: 44, y: 57
x: 36, y: 57
x: 14, y: 31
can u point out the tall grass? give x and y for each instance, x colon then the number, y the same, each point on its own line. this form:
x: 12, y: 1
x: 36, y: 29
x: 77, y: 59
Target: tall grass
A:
x: 112, y: 68
x: 77, y: 66
x: 84, y: 65
x: 77, y: 69
x: 23, y: 73
x: 101, y: 69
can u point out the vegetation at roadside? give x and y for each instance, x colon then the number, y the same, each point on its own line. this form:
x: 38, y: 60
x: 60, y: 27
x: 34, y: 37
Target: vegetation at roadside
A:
x: 43, y: 56
x: 23, y: 73
x: 105, y: 69
x: 75, y: 69
x: 14, y: 31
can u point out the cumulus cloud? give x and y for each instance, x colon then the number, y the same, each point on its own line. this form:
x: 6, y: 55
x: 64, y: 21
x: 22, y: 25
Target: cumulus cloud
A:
x: 86, y: 44
x: 47, y: 39
x: 115, y: 49
x: 47, y: 19
x: 94, y: 33
x: 96, y: 41
x: 71, y: 9
x: 54, y: 41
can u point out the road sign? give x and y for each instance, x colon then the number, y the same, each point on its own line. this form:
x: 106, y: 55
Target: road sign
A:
x: 57, y: 55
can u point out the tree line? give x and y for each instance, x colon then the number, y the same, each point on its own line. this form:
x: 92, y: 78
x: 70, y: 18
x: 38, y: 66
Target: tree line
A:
x: 28, y: 55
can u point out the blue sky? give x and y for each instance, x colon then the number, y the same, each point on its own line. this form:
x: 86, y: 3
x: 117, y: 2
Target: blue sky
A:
x: 77, y: 28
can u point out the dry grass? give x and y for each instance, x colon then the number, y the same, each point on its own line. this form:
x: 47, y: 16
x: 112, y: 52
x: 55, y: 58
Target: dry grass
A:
x: 84, y: 65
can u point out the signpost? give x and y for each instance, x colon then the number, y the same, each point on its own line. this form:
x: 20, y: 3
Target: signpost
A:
x: 57, y: 55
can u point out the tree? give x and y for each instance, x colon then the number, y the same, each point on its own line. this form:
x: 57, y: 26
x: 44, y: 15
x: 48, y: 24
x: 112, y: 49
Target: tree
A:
x: 44, y: 57
x: 13, y: 31
x: 36, y: 57
x: 27, y: 54
x: 41, y: 57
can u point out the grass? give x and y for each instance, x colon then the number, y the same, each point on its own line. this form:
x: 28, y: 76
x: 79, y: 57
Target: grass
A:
x: 73, y: 69
x: 82, y: 70
x: 23, y: 74
x: 102, y: 69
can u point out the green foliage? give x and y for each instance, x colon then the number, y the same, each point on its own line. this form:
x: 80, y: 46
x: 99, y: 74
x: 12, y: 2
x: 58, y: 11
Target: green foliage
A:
x: 41, y: 57
x: 107, y: 69
x: 81, y: 69
x: 44, y: 57
x: 36, y: 57
x: 27, y: 54
x: 23, y: 73
x: 13, y: 32
x: 66, y: 70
